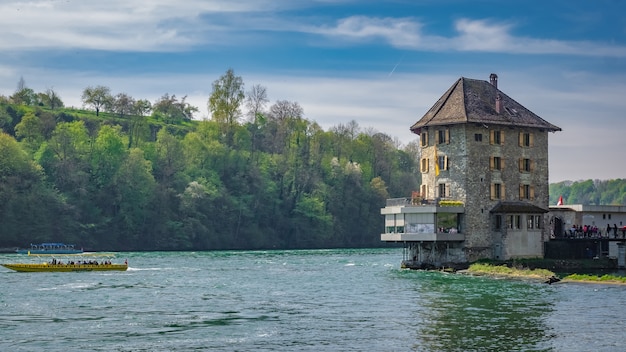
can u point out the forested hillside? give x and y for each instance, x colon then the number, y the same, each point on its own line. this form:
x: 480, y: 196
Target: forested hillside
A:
x: 129, y: 174
x: 589, y: 192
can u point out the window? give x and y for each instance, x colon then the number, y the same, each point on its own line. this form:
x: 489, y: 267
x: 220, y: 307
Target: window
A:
x: 538, y: 219
x: 526, y: 192
x: 526, y: 165
x: 515, y: 222
x: 496, y: 163
x: 424, y: 165
x: 443, y: 136
x: 533, y: 222
x: 526, y: 139
x: 442, y: 162
x: 444, y: 190
x: 497, y: 191
x: 478, y: 137
x: 424, y: 191
x: 496, y: 137
x: 424, y: 139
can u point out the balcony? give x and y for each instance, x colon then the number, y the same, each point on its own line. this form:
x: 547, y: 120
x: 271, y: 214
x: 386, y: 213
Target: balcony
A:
x: 412, y: 220
x: 423, y: 237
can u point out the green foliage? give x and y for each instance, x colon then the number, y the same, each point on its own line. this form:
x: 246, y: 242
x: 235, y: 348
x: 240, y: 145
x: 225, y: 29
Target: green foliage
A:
x: 504, y: 270
x: 595, y: 278
x: 116, y: 180
x: 589, y: 192
x: 450, y: 203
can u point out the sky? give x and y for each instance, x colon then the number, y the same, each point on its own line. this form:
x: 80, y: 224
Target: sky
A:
x: 382, y: 64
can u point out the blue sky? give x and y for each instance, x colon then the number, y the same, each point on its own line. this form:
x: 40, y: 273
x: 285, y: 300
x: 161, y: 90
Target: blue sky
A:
x: 382, y: 64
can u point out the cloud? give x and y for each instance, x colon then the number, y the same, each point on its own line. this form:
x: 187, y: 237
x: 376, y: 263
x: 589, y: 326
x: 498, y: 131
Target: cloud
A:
x: 119, y: 25
x: 472, y: 36
x: 399, y: 32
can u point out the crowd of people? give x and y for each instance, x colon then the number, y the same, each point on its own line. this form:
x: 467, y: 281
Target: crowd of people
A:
x: 589, y: 231
x: 54, y: 261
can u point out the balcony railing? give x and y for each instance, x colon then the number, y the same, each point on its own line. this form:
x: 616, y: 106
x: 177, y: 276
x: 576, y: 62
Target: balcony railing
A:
x: 396, y: 202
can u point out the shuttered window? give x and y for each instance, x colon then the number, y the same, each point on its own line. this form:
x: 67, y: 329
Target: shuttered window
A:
x: 526, y: 165
x: 496, y: 137
x: 526, y: 139
x: 497, y: 191
x: 442, y: 136
x: 526, y: 192
x: 496, y: 163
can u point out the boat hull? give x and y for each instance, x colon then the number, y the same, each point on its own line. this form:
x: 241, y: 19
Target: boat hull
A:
x: 45, y: 267
x: 50, y: 251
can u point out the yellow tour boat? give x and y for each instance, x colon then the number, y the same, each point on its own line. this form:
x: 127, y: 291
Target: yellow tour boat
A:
x: 69, y: 265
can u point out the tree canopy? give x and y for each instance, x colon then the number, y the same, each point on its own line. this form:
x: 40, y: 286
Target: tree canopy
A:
x: 126, y: 180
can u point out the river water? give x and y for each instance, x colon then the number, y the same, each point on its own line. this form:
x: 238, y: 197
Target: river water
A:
x: 307, y: 300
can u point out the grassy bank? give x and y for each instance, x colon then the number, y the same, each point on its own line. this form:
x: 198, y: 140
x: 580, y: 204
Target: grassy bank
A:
x: 604, y: 279
x: 506, y: 271
x: 488, y: 269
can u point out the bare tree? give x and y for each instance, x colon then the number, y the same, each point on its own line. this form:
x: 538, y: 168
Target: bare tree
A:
x: 123, y: 104
x: 283, y: 110
x: 21, y: 84
x: 256, y: 100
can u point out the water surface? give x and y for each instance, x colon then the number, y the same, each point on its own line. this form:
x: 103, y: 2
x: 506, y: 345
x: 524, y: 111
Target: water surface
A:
x: 316, y: 300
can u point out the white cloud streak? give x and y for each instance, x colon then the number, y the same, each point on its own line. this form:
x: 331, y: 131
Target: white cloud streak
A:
x: 162, y: 25
x: 472, y: 36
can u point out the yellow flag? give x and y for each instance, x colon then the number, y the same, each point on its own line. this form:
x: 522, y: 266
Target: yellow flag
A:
x: 436, y: 162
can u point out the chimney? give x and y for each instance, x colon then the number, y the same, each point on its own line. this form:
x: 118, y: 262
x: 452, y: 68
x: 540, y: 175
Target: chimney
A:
x: 493, y: 79
x: 498, y: 103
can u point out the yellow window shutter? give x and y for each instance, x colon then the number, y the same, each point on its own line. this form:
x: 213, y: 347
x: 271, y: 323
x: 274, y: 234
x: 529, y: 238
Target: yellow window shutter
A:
x: 502, y: 192
x: 521, y: 164
x: 502, y: 137
x: 447, y: 190
x: 502, y: 163
x: 532, y: 139
x: 447, y: 136
x: 492, y: 193
x: 521, y: 139
x: 532, y: 165
x: 492, y: 163
x: 532, y: 192
x: 491, y: 136
x: 521, y: 191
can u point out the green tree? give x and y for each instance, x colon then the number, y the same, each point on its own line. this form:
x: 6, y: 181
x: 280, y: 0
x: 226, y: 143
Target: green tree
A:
x: 50, y: 99
x: 142, y: 107
x: 170, y: 109
x: 29, y: 131
x: 29, y: 209
x: 225, y: 102
x: 24, y: 96
x: 98, y: 97
x: 134, y: 186
x: 109, y: 151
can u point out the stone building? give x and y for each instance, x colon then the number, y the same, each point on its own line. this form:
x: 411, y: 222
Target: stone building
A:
x: 484, y: 191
